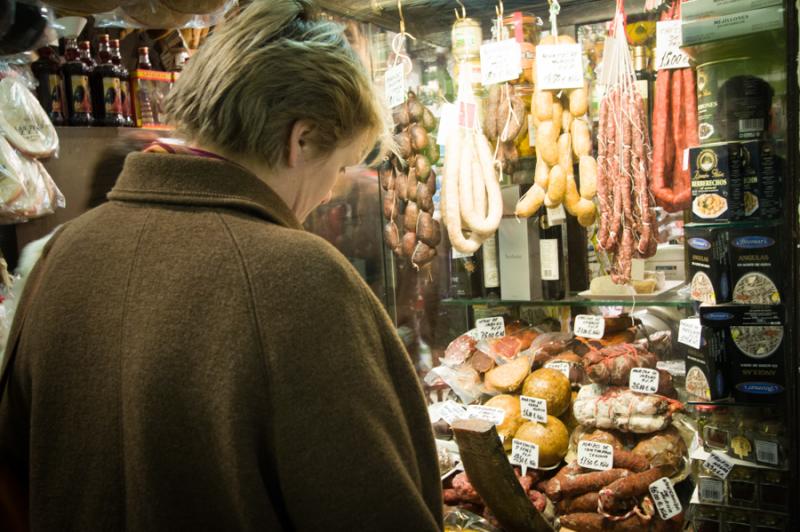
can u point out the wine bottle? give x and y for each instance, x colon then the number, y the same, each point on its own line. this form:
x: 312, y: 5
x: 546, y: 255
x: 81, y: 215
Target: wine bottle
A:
x: 76, y: 86
x: 551, y: 259
x: 50, y: 89
x: 491, y: 272
x: 465, y: 275
x: 106, y: 88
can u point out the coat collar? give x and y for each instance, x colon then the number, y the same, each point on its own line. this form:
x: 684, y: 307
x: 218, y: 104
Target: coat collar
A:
x: 200, y: 181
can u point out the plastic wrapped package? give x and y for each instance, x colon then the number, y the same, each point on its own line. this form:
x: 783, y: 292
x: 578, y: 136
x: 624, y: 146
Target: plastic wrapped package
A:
x: 165, y: 14
x: 463, y: 380
x: 26, y: 189
x: 23, y: 122
x: 463, y: 521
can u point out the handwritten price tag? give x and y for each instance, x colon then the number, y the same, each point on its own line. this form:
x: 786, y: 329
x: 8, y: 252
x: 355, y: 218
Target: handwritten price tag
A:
x: 500, y: 61
x: 451, y: 412
x: 690, y: 332
x: 668, y: 46
x: 395, y: 85
x: 559, y: 66
x: 719, y: 464
x: 524, y: 454
x: 595, y: 455
x: 559, y: 365
x: 665, y: 498
x: 589, y: 326
x: 486, y: 413
x: 643, y: 380
x: 491, y: 327
x: 533, y: 408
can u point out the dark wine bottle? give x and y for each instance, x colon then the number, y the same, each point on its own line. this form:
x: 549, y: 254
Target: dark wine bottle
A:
x: 465, y: 275
x: 491, y: 272
x: 106, y: 88
x: 551, y: 259
x: 50, y: 89
x: 77, y: 94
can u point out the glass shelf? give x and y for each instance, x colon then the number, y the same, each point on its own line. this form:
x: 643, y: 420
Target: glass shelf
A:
x: 741, y: 224
x: 577, y: 301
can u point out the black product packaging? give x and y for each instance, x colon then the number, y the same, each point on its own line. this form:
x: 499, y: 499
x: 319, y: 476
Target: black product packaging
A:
x: 756, y: 266
x: 716, y: 174
x: 762, y: 181
x: 708, y: 264
x: 706, y: 377
x: 754, y: 349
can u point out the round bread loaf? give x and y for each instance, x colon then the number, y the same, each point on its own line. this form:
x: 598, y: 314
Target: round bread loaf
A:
x: 11, y: 172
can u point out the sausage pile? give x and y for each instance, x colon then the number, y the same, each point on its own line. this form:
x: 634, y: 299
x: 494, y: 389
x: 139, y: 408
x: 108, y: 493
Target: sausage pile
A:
x: 410, y: 183
x: 627, y: 219
x: 562, y: 138
x: 674, y: 130
x: 504, y: 123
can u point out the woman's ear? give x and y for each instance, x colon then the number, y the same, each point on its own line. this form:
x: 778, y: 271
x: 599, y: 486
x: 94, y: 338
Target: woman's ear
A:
x: 299, y: 143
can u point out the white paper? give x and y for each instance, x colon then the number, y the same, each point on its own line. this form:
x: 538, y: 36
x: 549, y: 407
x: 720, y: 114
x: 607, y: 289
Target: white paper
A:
x: 589, y: 326
x: 666, y: 500
x: 448, y: 120
x: 395, y: 85
x: 491, y: 327
x: 637, y: 269
x: 559, y: 66
x: 524, y: 454
x: 643, y: 380
x: 711, y: 490
x: 595, y: 455
x: 533, y: 408
x: 548, y: 259
x: 452, y: 411
x: 668, y: 46
x: 690, y: 332
x: 719, y: 463
x: 556, y: 215
x: 500, y: 61
x: 559, y: 365
x: 486, y: 413
x: 767, y: 452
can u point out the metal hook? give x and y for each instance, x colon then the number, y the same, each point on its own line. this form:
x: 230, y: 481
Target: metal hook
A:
x: 402, y: 20
x: 463, y: 10
x: 499, y: 9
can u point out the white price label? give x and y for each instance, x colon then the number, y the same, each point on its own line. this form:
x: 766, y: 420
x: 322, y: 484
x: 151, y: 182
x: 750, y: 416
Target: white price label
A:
x: 637, y: 269
x: 486, y: 413
x: 668, y: 46
x: 767, y: 452
x: 557, y: 215
x: 559, y: 66
x: 666, y: 500
x: 448, y: 121
x: 589, y: 326
x: 719, y: 464
x: 711, y: 490
x: 690, y: 332
x: 595, y: 455
x: 559, y: 365
x: 395, y: 85
x: 533, y: 408
x: 500, y: 61
x: 451, y: 411
x: 491, y: 327
x: 643, y: 380
x: 524, y: 454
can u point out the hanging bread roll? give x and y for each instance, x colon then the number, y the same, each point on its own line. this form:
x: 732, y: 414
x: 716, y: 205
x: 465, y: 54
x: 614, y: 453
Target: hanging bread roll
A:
x: 23, y: 121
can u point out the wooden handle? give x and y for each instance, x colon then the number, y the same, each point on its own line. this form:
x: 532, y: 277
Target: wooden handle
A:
x: 491, y: 474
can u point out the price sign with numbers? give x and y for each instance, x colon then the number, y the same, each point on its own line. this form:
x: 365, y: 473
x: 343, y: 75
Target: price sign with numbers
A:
x: 559, y: 66
x: 690, y: 332
x: 491, y: 327
x: 524, y: 454
x: 559, y: 365
x: 486, y: 413
x: 666, y: 500
x: 500, y: 61
x: 643, y: 380
x: 595, y: 455
x: 711, y: 490
x: 589, y: 326
x: 395, y: 85
x: 767, y: 452
x: 533, y: 408
x: 668, y: 45
x: 719, y: 464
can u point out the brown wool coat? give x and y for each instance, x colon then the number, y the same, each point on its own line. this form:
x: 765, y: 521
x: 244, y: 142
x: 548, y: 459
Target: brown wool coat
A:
x: 188, y: 358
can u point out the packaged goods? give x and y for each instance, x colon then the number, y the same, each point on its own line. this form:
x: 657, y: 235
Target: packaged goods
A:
x: 755, y: 263
x: 708, y: 264
x: 716, y: 173
x: 762, y: 181
x: 706, y: 376
x: 731, y: 25
x: 704, y: 8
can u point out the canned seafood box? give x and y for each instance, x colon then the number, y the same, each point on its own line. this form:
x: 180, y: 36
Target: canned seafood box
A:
x: 762, y: 181
x: 716, y: 173
x: 709, y: 273
x: 755, y: 266
x: 706, y: 378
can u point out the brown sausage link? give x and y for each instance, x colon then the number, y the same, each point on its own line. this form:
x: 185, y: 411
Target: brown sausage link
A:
x: 573, y: 485
x: 631, y: 486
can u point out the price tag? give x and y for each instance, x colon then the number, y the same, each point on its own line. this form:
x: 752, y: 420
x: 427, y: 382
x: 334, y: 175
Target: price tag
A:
x: 719, y: 464
x: 637, y: 269
x: 486, y: 413
x: 448, y: 121
x: 690, y: 332
x: 711, y: 490
x: 643, y: 380
x: 451, y: 411
x: 595, y: 455
x: 524, y: 454
x: 395, y: 85
x: 533, y: 408
x: 491, y: 327
x: 668, y: 46
x: 767, y: 452
x: 559, y: 66
x: 559, y: 365
x: 589, y: 326
x: 557, y: 215
x: 665, y: 498
x: 500, y: 61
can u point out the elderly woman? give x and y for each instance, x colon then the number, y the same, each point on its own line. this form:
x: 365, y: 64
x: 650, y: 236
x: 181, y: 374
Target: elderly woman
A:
x: 186, y: 357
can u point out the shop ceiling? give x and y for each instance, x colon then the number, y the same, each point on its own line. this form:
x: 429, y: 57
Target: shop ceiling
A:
x: 431, y: 20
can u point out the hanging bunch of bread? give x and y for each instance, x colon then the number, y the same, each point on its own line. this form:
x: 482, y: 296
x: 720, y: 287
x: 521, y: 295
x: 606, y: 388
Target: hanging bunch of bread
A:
x: 563, y: 142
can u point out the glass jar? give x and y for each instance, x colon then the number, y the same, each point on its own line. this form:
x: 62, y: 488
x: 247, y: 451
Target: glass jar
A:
x: 466, y: 37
